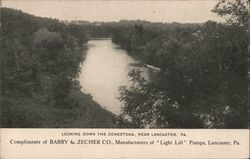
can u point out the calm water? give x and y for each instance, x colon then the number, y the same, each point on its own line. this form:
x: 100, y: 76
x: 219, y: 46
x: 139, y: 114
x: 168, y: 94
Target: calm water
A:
x: 104, y: 70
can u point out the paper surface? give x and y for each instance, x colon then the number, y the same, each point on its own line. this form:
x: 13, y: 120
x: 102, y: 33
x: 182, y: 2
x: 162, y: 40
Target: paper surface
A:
x: 92, y: 128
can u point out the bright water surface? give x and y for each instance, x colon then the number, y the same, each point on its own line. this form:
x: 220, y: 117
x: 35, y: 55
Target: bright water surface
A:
x: 104, y: 70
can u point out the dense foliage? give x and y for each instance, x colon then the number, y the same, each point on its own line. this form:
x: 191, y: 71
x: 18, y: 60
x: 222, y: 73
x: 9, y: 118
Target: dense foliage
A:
x: 203, y: 78
x: 40, y: 61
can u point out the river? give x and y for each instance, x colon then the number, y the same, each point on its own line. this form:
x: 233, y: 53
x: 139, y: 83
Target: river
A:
x: 105, y: 69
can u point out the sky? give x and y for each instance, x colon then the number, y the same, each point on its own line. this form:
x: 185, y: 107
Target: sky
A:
x: 184, y: 11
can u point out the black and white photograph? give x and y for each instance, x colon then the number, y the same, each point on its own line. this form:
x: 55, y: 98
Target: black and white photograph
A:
x: 161, y: 64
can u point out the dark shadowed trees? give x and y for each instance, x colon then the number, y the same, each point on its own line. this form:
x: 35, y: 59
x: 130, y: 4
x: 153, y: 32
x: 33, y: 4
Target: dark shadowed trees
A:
x: 203, y: 78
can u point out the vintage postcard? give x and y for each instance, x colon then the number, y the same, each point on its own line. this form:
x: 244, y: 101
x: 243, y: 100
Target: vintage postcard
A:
x: 124, y: 79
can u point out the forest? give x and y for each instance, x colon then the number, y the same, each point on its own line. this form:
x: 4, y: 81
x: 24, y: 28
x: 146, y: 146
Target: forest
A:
x: 203, y: 79
x: 204, y: 67
x: 40, y: 62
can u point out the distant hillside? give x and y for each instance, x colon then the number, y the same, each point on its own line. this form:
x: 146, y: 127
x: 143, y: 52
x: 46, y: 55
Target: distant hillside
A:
x: 106, y: 29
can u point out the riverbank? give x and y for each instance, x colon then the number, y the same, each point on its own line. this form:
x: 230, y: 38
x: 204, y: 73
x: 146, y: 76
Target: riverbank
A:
x: 35, y: 113
x: 91, y: 115
x: 138, y: 57
x: 83, y: 113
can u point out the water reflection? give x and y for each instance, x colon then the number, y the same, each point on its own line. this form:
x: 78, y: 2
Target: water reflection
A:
x: 105, y: 69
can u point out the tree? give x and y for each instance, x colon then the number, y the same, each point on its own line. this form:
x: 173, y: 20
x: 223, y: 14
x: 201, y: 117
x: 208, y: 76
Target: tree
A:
x: 147, y: 106
x: 233, y: 11
x: 203, y: 78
